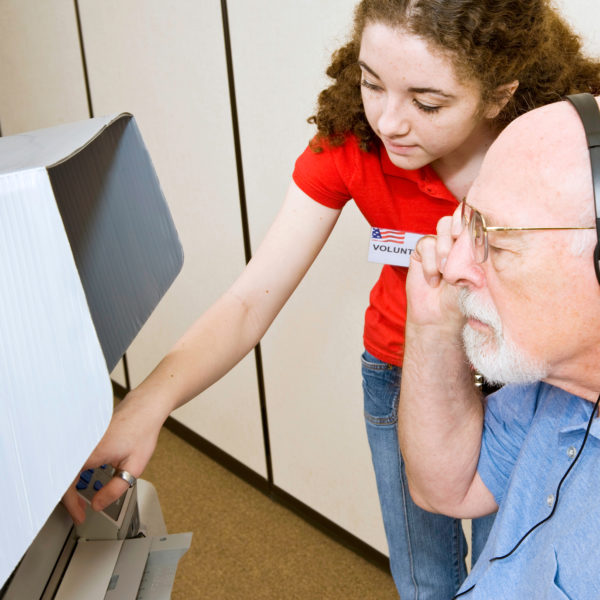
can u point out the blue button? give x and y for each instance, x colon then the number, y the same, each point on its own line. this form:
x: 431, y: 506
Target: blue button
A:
x: 97, y: 485
x: 81, y: 485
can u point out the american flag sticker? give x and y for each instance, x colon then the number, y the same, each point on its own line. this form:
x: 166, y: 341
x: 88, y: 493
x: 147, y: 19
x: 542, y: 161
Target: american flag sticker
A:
x: 392, y: 247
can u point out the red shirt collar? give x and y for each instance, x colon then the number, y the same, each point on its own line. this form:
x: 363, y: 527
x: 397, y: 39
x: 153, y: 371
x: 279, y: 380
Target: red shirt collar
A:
x: 426, y: 178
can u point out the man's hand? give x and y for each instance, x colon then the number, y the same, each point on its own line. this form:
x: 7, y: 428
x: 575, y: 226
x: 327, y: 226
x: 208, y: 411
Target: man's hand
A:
x: 432, y: 301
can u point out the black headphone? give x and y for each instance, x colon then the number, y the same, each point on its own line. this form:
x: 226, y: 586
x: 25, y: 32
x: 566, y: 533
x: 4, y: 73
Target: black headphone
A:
x: 586, y: 106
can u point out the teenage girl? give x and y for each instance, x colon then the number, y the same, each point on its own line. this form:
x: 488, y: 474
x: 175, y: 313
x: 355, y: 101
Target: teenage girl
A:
x: 417, y: 96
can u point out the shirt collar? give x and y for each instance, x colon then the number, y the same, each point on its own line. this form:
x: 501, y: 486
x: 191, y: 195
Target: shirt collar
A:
x: 580, y: 423
x: 426, y: 178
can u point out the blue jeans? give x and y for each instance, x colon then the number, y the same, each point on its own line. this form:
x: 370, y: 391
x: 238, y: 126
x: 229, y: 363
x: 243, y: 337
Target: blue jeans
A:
x: 427, y: 551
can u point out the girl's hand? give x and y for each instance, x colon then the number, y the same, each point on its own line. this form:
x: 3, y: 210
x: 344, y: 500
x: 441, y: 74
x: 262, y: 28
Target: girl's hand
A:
x: 127, y: 444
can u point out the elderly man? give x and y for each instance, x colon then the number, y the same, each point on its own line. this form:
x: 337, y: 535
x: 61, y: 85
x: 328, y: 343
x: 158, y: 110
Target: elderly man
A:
x: 510, y: 278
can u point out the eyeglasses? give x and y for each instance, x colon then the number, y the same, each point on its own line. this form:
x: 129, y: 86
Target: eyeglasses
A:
x: 478, y: 230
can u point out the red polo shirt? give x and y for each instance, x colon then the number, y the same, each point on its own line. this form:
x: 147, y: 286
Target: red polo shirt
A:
x: 390, y: 198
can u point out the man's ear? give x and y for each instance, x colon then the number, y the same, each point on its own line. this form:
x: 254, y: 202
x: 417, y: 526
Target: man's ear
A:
x: 502, y: 94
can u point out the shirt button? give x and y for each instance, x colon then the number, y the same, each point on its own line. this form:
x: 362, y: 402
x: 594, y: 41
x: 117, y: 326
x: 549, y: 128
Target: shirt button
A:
x: 550, y: 500
x: 571, y: 452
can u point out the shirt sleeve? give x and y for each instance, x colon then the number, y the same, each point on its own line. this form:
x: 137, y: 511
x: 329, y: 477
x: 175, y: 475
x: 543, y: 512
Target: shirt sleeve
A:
x: 508, y: 416
x: 317, y: 174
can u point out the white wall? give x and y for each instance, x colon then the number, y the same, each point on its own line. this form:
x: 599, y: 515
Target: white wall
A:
x: 583, y: 17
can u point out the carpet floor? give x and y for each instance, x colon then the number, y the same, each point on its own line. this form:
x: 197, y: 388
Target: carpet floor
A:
x: 245, y: 546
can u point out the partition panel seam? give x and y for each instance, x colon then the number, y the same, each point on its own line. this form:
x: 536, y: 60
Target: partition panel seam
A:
x: 245, y: 229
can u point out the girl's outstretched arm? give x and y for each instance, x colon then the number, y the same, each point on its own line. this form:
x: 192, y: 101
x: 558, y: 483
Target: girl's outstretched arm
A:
x: 216, y: 342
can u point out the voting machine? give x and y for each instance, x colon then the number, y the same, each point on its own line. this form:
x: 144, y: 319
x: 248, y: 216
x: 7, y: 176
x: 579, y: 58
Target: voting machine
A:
x: 87, y: 250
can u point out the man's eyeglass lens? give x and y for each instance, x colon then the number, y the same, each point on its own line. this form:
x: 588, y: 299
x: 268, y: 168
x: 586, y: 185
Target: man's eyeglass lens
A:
x: 474, y: 221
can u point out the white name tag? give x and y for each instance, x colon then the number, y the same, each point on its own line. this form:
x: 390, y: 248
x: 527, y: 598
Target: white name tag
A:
x: 392, y: 247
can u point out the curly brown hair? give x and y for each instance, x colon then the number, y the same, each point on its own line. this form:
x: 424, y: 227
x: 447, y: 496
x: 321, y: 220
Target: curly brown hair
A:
x: 493, y: 42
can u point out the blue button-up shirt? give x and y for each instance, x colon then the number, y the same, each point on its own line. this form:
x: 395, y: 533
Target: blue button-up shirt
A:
x: 532, y: 434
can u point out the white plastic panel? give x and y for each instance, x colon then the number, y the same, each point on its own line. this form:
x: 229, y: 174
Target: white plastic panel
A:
x: 56, y: 399
x: 312, y: 352
x: 40, y: 65
x: 165, y: 63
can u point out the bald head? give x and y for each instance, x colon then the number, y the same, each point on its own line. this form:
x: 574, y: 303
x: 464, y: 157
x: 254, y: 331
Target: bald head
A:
x: 541, y: 158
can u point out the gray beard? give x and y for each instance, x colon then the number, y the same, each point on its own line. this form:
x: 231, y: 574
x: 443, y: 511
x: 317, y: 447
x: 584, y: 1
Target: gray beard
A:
x: 495, y: 356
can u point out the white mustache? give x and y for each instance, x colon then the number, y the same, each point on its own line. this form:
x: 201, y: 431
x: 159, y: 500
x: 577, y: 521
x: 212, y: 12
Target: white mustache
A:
x: 472, y: 307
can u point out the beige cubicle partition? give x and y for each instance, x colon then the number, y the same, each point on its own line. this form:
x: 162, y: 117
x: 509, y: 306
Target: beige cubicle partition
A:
x: 42, y: 79
x: 167, y: 65
x: 311, y: 354
x: 165, y: 62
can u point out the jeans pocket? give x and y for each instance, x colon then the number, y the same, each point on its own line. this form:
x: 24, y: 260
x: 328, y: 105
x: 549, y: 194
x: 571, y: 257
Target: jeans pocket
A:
x: 381, y: 389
